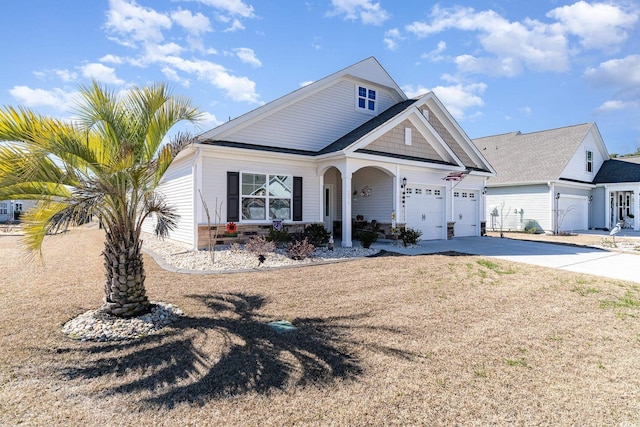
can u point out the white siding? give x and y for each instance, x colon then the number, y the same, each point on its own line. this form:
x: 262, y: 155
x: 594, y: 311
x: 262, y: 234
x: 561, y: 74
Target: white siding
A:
x: 519, y: 206
x: 177, y: 186
x: 313, y: 122
x: 379, y: 205
x: 214, y: 181
x: 576, y: 168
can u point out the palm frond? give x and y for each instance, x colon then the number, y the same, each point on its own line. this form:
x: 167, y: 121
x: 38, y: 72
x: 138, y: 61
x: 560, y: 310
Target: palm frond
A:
x: 166, y: 216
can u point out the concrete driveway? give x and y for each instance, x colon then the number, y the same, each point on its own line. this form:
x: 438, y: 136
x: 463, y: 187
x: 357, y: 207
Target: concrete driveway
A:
x: 579, y: 259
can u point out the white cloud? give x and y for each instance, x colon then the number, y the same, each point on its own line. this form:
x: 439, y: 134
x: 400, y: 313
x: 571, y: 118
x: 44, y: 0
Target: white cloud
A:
x: 391, y: 38
x: 55, y: 98
x: 133, y: 23
x: 208, y: 121
x: 248, y: 56
x: 615, y: 105
x: 173, y: 75
x: 194, y: 24
x: 237, y: 88
x: 436, y: 54
x: 457, y: 98
x: 101, y: 73
x: 597, y: 25
x: 232, y: 7
x: 236, y: 25
x: 307, y: 83
x: 365, y: 10
x: 142, y: 29
x: 512, y: 45
x: 622, y: 73
x: 112, y: 59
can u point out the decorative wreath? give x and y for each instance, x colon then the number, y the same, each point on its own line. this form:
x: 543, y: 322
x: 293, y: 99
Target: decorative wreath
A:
x: 231, y: 227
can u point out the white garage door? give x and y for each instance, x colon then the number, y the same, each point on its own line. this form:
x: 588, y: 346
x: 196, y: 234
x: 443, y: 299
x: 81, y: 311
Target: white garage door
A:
x: 465, y: 213
x: 425, y: 211
x: 573, y: 213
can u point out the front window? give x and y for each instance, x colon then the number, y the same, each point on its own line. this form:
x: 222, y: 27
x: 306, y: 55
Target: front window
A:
x: 266, y: 197
x: 589, y: 161
x: 3, y: 208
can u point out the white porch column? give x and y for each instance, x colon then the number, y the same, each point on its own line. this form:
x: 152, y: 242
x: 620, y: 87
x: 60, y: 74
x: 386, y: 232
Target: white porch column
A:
x: 607, y: 208
x: 634, y: 208
x: 322, y: 200
x: 397, y: 194
x: 346, y: 210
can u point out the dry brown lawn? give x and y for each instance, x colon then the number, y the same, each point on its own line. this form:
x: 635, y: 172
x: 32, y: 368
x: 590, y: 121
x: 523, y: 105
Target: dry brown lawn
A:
x: 426, y: 340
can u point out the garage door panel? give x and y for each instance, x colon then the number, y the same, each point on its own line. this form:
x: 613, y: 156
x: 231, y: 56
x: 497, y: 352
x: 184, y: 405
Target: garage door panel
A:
x: 425, y: 211
x: 573, y: 213
x: 466, y: 207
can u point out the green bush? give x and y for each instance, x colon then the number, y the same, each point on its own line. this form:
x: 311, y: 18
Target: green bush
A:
x: 367, y: 238
x: 410, y: 236
x: 316, y: 234
x: 279, y: 237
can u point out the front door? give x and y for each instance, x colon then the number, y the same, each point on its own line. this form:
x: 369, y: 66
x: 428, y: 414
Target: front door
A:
x: 327, y: 207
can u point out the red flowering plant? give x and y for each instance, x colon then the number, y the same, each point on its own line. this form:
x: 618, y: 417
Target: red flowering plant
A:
x: 231, y: 229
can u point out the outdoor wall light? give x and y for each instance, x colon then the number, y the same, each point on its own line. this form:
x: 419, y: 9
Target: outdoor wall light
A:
x: 557, y: 196
x: 484, y: 190
x: 404, y: 182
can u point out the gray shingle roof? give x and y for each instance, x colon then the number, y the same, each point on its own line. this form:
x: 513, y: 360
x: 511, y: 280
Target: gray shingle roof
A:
x: 614, y: 170
x: 531, y: 157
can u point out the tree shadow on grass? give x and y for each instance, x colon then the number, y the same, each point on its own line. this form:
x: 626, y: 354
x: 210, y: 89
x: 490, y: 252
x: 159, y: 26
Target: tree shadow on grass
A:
x: 234, y: 351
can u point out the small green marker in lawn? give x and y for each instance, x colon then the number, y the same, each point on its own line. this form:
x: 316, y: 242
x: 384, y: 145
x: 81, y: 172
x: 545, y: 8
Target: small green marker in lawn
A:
x: 281, y: 326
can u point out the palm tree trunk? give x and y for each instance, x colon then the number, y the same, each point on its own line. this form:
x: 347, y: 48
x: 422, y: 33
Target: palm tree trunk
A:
x: 125, y: 295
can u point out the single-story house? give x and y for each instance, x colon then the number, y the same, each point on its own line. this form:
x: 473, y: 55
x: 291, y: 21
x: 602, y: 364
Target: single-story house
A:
x: 11, y: 209
x: 348, y: 149
x: 558, y: 180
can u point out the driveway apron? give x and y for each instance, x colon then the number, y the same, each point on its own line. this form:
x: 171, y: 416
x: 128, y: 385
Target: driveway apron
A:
x: 578, y: 259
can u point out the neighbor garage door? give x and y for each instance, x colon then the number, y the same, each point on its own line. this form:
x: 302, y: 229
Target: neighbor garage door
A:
x: 573, y: 213
x: 465, y: 213
x: 425, y: 211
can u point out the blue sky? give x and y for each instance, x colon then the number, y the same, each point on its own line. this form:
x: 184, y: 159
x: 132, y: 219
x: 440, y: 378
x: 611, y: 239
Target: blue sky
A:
x: 498, y: 66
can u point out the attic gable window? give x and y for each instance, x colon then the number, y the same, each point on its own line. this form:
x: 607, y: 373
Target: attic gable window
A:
x: 366, y: 99
x: 589, y: 161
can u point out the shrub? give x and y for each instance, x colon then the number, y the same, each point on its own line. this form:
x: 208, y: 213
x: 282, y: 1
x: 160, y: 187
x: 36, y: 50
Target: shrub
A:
x: 300, y: 249
x: 410, y: 236
x: 279, y: 237
x: 367, y: 238
x: 259, y: 245
x: 316, y: 234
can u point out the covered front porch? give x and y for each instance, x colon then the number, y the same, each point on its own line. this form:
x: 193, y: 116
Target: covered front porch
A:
x: 358, y: 197
x: 622, y: 206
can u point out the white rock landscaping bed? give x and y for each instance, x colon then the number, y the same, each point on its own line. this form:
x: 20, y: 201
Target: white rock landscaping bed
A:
x: 227, y: 258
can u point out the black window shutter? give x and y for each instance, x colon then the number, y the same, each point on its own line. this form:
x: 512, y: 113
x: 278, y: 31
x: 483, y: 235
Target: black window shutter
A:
x: 297, y: 198
x: 233, y: 196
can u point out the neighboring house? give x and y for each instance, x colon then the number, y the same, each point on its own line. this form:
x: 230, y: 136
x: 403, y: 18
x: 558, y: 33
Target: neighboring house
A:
x: 348, y: 148
x: 558, y: 180
x: 10, y: 209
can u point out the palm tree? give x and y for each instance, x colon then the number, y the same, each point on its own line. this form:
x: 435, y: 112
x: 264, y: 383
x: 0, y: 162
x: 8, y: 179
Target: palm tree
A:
x: 108, y: 163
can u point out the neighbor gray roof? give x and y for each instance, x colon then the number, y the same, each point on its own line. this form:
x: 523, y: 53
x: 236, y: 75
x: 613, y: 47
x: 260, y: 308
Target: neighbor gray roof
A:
x: 531, y: 157
x: 614, y: 170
